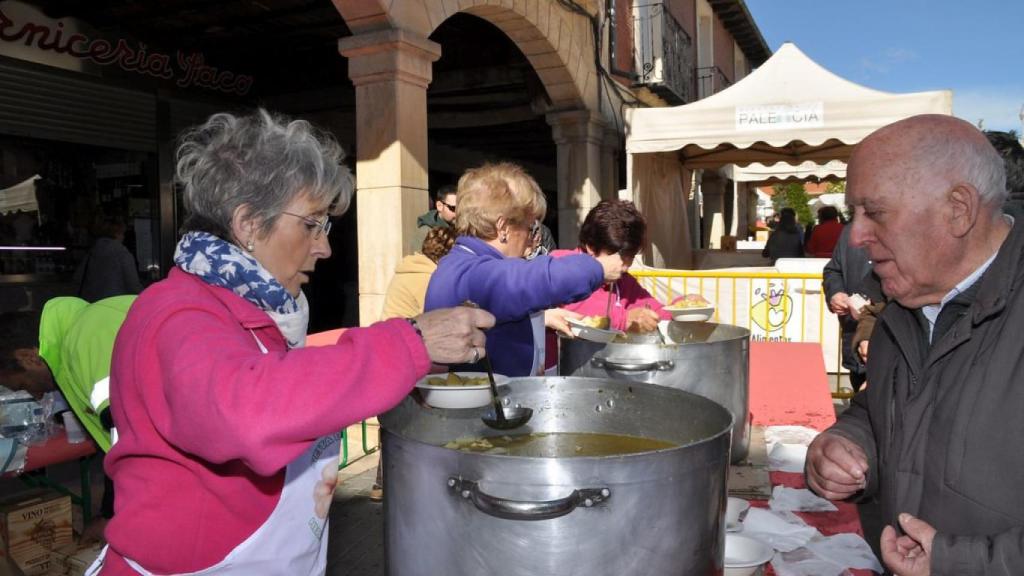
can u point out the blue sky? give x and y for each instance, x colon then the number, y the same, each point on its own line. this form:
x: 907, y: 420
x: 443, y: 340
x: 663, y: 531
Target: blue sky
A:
x: 973, y: 47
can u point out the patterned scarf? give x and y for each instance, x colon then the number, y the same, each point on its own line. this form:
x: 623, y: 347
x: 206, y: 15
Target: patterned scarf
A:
x: 223, y: 264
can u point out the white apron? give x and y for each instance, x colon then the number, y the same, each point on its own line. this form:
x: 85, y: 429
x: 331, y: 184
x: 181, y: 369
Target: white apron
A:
x: 293, y: 539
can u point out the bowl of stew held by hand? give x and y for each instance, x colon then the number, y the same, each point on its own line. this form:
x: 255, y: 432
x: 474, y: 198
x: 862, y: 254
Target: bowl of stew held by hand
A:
x: 458, y: 389
x: 691, y: 308
x: 593, y: 328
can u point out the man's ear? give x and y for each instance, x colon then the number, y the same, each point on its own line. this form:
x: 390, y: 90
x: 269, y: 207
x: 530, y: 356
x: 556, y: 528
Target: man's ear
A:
x: 964, y: 203
x: 244, y: 226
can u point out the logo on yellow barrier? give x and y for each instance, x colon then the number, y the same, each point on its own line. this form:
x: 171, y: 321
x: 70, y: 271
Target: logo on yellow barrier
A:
x: 774, y: 310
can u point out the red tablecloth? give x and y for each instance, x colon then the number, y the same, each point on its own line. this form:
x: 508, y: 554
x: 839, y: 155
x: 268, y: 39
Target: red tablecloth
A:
x: 789, y: 386
x: 56, y: 450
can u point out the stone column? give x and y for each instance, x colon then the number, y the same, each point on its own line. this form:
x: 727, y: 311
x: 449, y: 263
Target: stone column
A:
x: 579, y: 136
x: 611, y: 150
x: 391, y: 70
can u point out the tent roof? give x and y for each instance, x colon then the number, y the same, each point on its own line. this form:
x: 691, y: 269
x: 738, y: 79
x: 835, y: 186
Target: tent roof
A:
x: 788, y: 110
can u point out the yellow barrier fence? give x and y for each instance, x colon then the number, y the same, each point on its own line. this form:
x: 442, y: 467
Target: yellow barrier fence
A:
x: 774, y: 306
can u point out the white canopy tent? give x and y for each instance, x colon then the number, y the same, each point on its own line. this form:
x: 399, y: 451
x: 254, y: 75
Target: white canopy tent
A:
x: 788, y: 112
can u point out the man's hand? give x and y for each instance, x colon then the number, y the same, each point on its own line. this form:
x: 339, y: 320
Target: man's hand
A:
x: 862, y: 351
x: 455, y: 335
x: 642, y: 320
x: 836, y: 468
x: 839, y: 304
x: 909, y: 555
x: 556, y: 319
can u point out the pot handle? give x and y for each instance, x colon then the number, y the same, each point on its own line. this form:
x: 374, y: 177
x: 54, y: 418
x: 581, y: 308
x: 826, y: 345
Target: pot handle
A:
x: 527, y: 510
x: 605, y: 364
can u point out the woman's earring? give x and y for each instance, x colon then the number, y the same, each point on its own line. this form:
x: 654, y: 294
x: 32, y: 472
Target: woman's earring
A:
x: 504, y: 238
x: 250, y: 246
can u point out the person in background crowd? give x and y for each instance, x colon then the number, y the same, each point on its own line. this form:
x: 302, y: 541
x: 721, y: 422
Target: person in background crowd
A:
x: 786, y: 241
x: 408, y: 287
x: 929, y: 434
x: 443, y: 213
x: 500, y: 209
x: 109, y: 269
x: 850, y: 285
x: 1012, y: 153
x: 617, y: 227
x: 823, y: 240
x: 228, y: 428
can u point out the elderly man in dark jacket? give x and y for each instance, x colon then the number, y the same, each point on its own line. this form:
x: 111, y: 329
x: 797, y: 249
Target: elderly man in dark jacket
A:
x: 936, y: 433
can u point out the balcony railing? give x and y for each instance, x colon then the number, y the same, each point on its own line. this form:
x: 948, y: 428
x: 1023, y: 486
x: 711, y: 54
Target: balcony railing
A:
x: 710, y: 80
x: 664, y: 53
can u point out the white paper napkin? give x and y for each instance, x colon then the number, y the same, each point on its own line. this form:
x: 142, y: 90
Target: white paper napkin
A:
x: 798, y: 500
x: 787, y: 457
x: 827, y: 556
x: 783, y: 531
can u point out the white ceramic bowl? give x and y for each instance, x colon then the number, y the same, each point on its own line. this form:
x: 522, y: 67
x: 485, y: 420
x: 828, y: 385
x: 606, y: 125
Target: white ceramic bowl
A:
x: 473, y: 396
x: 702, y: 314
x: 744, y: 556
x: 735, y: 511
x: 581, y: 330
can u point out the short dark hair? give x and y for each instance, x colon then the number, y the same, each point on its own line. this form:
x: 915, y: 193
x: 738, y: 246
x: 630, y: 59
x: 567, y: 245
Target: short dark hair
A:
x: 828, y: 212
x: 1012, y: 153
x: 614, y: 226
x: 21, y: 330
x: 443, y: 191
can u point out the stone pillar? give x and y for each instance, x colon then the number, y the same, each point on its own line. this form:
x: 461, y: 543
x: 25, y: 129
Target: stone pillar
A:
x: 611, y: 150
x: 391, y: 70
x: 579, y: 136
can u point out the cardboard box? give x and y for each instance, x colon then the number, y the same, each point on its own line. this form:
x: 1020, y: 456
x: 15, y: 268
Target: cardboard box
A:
x: 76, y: 561
x: 32, y: 526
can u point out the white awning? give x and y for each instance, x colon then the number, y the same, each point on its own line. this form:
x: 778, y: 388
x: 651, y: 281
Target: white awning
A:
x: 789, y: 110
x: 21, y: 196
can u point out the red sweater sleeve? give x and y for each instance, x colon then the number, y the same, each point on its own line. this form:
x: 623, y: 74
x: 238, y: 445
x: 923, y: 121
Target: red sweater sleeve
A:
x: 227, y: 400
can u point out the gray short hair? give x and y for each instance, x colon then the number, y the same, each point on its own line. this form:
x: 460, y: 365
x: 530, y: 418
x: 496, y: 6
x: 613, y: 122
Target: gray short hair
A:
x: 260, y: 160
x: 975, y: 162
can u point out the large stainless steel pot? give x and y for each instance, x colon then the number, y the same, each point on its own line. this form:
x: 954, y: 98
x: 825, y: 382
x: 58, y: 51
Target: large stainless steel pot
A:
x: 657, y: 512
x: 712, y: 360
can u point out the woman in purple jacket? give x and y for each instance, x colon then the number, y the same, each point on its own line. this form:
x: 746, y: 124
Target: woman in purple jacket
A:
x: 498, y: 217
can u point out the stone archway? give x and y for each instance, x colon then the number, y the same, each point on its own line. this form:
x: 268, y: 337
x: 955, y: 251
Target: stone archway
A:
x: 390, y: 59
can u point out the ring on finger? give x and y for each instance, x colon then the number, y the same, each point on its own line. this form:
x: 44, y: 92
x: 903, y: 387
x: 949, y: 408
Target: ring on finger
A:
x: 476, y: 355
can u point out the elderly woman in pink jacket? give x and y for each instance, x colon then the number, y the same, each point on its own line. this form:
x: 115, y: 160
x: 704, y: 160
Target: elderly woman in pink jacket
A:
x: 228, y: 427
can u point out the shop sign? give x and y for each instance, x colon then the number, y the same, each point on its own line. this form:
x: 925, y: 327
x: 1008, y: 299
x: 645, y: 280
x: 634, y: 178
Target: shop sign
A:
x: 185, y: 69
x: 781, y: 116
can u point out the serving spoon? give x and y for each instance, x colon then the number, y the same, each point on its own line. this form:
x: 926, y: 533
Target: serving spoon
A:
x: 498, y: 417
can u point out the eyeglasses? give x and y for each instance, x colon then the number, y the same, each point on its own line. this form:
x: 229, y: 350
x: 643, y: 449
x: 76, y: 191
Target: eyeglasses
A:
x: 315, y: 226
x: 448, y: 206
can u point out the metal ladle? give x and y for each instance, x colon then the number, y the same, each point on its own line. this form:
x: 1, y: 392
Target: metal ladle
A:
x: 497, y: 417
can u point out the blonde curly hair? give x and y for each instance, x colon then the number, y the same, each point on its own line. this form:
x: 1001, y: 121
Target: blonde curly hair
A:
x: 495, y: 190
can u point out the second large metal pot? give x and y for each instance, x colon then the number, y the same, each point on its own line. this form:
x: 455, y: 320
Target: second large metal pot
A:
x: 708, y: 359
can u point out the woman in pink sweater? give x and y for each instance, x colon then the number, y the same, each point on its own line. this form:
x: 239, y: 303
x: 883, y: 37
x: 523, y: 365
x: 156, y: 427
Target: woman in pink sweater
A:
x: 617, y: 227
x: 228, y: 428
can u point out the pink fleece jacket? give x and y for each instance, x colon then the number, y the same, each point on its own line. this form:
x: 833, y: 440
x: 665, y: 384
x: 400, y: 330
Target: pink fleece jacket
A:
x: 630, y: 295
x: 207, y: 422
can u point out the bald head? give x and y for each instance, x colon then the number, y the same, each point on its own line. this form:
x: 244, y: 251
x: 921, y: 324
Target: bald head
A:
x: 927, y: 192
x: 941, y: 150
